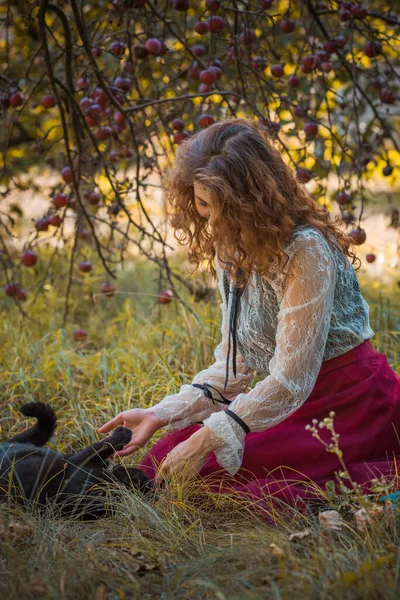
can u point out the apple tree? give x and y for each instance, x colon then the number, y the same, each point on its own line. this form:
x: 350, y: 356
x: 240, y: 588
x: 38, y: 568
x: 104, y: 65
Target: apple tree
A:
x: 100, y: 94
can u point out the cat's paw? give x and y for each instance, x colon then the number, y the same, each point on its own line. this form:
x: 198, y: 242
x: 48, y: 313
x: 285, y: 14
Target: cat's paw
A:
x: 119, y: 437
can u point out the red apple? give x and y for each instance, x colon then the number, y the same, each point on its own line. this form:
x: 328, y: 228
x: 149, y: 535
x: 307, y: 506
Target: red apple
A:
x: 101, y: 97
x: 94, y: 110
x: 85, y: 103
x: 85, y: 266
x: 42, y: 225
x: 373, y: 48
x: 359, y: 11
x: 48, y: 101
x: 81, y: 83
x: 217, y: 70
x: 179, y: 136
x: 55, y: 220
x: 29, y: 258
x: 387, y: 95
x: 213, y: 5
x: 303, y: 175
x: 118, y: 48
x: 22, y: 295
x: 309, y: 63
x: 107, y: 289
x: 215, y: 24
x: 181, y: 4
x: 300, y: 110
x: 358, y: 236
x: 80, y: 335
x: 329, y: 46
x: 206, y: 120
x: 114, y: 156
x: 204, y: 88
x: 93, y: 198
x: 208, y: 76
x: 97, y: 52
x: 66, y: 174
x: 311, y: 129
x: 123, y: 83
x: 326, y: 66
x: 343, y: 198
x: 60, y: 200
x: 16, y: 99
x: 119, y: 118
x: 370, y: 258
x: 293, y: 81
x: 139, y: 50
x: 12, y: 289
x: 259, y: 63
x: 198, y: 50
x: 345, y: 15
x: 248, y: 36
x: 277, y: 70
x: 194, y: 70
x: 92, y: 121
x: 287, y: 26
x: 339, y: 41
x: 153, y: 46
x: 178, y: 124
x: 165, y: 296
x: 202, y: 27
x: 388, y: 170
x: 103, y: 133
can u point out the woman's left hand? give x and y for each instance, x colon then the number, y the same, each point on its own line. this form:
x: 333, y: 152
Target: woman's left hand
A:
x: 187, y: 458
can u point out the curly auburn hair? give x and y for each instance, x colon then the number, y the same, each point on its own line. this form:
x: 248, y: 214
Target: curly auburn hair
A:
x: 256, y: 197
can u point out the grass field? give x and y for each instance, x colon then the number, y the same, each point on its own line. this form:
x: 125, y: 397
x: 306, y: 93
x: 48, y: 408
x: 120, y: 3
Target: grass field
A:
x: 136, y: 353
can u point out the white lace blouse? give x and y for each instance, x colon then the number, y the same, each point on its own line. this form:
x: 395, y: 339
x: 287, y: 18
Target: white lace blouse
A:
x: 287, y: 325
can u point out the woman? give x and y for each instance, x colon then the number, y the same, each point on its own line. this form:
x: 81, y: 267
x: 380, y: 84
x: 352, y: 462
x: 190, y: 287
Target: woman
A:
x: 292, y: 310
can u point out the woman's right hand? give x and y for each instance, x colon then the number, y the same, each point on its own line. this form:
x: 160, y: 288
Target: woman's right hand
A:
x: 141, y: 421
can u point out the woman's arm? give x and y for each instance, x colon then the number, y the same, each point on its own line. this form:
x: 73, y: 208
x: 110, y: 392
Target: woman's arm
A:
x: 305, y: 308
x: 190, y: 404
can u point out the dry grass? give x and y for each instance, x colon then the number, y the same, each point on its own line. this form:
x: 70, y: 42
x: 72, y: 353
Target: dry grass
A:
x: 184, y: 545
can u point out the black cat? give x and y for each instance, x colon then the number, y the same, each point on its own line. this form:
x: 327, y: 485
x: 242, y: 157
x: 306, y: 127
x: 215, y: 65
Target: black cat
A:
x: 78, y: 483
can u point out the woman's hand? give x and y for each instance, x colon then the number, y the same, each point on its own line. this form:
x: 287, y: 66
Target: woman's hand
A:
x: 143, y: 424
x: 187, y: 458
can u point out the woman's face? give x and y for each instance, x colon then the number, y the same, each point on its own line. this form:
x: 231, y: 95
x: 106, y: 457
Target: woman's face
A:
x: 204, y: 205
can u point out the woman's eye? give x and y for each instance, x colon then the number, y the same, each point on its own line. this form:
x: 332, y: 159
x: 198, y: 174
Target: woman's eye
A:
x: 203, y: 203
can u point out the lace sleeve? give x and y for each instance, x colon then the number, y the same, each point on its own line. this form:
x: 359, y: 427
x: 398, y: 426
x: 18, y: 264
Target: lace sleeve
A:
x: 305, y: 306
x: 190, y: 404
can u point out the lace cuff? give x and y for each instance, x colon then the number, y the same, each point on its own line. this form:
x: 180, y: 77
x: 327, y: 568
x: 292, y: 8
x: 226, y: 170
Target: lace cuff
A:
x: 227, y: 438
x: 184, y: 408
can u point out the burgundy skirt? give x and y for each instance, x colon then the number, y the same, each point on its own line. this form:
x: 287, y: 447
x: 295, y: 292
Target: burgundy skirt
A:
x: 286, y: 465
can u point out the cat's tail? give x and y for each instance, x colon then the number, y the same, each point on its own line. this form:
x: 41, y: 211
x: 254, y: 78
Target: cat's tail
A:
x: 42, y: 431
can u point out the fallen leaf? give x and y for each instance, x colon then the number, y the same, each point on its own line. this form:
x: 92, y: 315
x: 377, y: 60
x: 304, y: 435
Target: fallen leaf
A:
x: 276, y: 550
x: 330, y: 520
x: 365, y: 517
x: 15, y: 531
x: 299, y: 535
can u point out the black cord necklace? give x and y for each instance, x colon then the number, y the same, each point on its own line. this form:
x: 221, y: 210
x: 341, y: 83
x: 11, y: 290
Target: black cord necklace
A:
x: 236, y: 294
